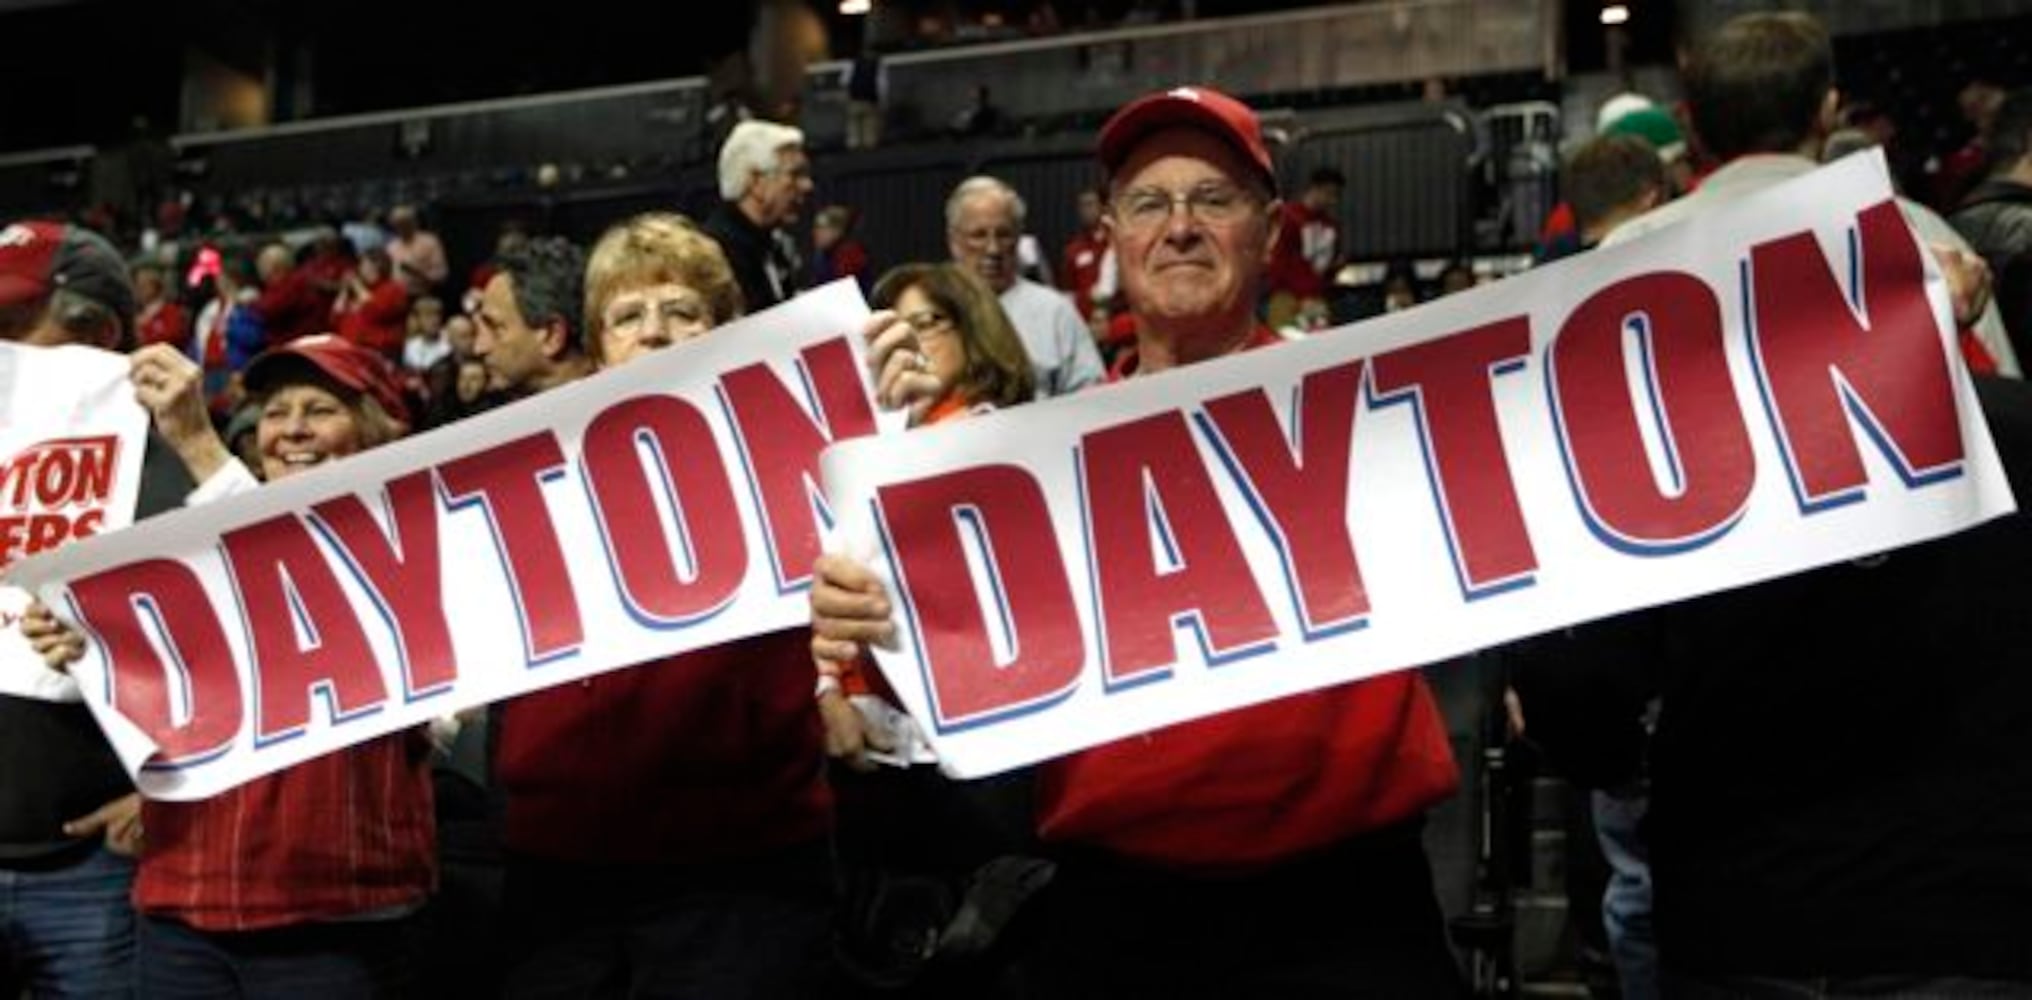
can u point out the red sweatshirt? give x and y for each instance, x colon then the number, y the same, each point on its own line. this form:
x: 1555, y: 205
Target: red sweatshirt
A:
x: 1252, y: 787
x: 1079, y: 269
x: 164, y: 323
x: 380, y: 321
x: 294, y: 307
x: 1308, y: 245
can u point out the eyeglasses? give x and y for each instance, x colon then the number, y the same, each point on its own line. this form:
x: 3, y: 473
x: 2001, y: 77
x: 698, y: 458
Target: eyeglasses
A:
x: 678, y: 315
x: 928, y: 320
x: 1143, y: 209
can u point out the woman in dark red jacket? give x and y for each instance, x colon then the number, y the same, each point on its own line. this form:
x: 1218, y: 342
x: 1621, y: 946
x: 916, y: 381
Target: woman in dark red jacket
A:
x: 373, y: 308
x: 667, y: 826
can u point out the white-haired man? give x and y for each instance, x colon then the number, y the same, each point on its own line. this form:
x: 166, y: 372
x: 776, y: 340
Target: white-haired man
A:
x: 983, y: 224
x: 764, y: 179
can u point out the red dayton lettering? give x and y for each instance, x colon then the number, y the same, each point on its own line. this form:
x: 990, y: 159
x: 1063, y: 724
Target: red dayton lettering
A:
x: 302, y: 630
x: 26, y: 534
x: 67, y: 472
x: 187, y: 703
x: 691, y: 476
x: 1821, y: 361
x: 1146, y: 488
x: 994, y: 518
x: 1448, y: 384
x: 1296, y: 495
x: 780, y: 440
x: 506, y: 481
x: 401, y: 568
x: 1674, y: 322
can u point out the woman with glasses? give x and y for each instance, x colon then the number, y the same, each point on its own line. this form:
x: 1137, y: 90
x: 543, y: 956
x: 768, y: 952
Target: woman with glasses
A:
x: 965, y: 337
x: 653, y: 281
x: 911, y: 842
x: 667, y: 826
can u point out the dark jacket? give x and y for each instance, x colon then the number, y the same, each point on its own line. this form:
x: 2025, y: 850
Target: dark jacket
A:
x: 1841, y: 783
x: 752, y: 251
x: 1997, y: 220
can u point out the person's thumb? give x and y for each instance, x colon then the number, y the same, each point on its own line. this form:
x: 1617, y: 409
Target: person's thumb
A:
x: 93, y: 823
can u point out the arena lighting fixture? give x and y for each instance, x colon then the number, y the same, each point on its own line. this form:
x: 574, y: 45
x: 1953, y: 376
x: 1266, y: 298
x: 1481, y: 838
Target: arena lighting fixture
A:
x: 1614, y: 13
x: 854, y: 6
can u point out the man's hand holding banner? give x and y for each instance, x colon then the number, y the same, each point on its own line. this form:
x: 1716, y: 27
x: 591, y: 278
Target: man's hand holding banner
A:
x: 1754, y: 394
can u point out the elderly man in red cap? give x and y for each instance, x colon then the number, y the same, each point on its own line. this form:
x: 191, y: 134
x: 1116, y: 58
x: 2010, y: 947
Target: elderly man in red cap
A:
x: 1269, y: 851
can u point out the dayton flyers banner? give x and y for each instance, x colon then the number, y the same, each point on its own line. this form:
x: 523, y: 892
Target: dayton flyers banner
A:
x: 667, y: 505
x: 71, y: 440
x: 1766, y: 389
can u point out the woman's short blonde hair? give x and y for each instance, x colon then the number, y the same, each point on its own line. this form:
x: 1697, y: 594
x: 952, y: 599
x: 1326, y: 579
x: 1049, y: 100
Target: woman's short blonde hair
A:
x: 652, y: 249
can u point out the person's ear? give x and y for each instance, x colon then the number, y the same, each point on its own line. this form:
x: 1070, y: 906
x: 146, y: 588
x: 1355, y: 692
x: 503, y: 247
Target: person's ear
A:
x: 557, y: 338
x: 1275, y: 211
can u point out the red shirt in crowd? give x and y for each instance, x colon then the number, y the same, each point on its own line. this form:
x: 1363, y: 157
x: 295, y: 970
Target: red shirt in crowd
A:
x: 294, y: 307
x: 380, y: 321
x: 163, y: 322
x: 1080, y: 269
x: 713, y: 754
x: 208, y: 348
x: 1308, y: 245
x: 849, y: 260
x: 1254, y: 786
x: 335, y: 837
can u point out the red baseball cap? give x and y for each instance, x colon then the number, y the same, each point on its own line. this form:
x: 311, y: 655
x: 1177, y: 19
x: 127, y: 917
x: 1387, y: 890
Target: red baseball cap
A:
x: 1204, y: 108
x: 336, y: 359
x: 37, y: 258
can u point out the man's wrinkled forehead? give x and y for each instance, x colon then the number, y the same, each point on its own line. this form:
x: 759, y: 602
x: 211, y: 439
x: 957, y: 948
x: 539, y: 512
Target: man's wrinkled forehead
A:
x: 986, y: 208
x: 1196, y: 152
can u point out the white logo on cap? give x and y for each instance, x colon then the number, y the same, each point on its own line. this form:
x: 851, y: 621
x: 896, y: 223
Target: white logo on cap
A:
x: 1186, y: 92
x: 16, y: 236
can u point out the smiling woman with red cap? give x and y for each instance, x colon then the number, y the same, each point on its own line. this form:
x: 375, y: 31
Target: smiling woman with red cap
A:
x: 301, y: 882
x: 1271, y: 851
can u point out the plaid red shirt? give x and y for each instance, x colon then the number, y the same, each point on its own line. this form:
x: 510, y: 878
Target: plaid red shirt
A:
x: 344, y: 835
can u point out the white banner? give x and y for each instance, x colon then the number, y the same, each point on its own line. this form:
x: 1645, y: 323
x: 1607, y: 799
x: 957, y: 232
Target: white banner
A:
x: 664, y: 506
x: 71, y: 441
x: 1770, y: 388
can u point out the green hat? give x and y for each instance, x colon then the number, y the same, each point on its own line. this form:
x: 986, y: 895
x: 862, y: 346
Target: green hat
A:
x: 1655, y: 126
